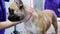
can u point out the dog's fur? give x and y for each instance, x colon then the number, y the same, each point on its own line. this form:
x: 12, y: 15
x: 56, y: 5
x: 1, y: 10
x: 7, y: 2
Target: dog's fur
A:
x: 40, y: 21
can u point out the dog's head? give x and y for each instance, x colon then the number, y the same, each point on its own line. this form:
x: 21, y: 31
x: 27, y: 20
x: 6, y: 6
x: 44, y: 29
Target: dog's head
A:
x: 17, y: 9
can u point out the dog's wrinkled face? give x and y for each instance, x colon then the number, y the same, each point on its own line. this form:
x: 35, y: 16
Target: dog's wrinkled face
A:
x: 20, y: 12
x: 17, y: 10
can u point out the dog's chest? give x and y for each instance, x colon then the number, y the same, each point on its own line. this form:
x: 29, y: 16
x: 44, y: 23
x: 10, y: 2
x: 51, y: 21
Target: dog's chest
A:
x: 32, y: 27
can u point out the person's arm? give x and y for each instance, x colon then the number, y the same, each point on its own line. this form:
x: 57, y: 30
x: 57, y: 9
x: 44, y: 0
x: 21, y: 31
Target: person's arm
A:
x: 7, y: 24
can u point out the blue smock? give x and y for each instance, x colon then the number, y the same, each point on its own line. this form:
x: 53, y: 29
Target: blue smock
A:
x: 2, y: 13
x: 53, y: 5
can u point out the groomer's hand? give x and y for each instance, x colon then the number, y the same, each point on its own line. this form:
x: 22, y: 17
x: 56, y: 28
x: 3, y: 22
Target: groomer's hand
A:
x: 7, y: 24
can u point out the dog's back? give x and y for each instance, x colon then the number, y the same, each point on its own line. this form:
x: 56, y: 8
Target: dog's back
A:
x: 46, y: 18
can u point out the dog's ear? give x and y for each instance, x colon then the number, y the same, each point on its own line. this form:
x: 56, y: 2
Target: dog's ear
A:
x: 19, y: 3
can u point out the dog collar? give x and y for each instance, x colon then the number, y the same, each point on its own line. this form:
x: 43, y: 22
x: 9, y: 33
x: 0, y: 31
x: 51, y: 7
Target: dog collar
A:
x: 28, y: 18
x: 31, y: 13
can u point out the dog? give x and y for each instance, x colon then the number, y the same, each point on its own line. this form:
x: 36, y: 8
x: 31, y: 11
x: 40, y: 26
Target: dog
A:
x: 35, y: 21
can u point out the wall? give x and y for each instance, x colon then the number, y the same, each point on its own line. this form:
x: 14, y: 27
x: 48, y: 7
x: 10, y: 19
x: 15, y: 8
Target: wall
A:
x: 39, y: 4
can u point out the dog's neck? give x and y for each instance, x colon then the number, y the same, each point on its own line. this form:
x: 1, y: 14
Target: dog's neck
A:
x: 34, y: 16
